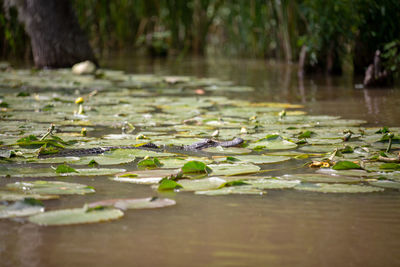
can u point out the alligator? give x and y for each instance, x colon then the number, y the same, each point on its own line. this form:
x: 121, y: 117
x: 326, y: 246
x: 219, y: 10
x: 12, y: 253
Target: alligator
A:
x: 148, y: 146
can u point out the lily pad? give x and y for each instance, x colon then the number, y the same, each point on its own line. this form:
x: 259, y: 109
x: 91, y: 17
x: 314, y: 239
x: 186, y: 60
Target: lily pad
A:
x: 26, y: 207
x: 386, y: 184
x: 241, y: 190
x: 337, y: 188
x: 257, y: 159
x: 75, y: 216
x: 144, y: 177
x: 272, y: 142
x: 321, y: 178
x: 273, y: 183
x: 135, y: 203
x: 201, y: 184
x: 233, y: 169
x: 15, y: 196
x: 52, y: 187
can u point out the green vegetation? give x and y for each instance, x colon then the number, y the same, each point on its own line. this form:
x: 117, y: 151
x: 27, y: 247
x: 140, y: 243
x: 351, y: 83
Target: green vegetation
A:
x: 321, y: 35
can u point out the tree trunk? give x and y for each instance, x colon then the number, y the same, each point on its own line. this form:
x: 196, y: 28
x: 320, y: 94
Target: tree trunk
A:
x: 56, y: 38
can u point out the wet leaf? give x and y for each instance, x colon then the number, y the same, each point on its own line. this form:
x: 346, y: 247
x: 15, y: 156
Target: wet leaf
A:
x: 241, y: 190
x: 337, y: 188
x: 195, y: 167
x: 54, y: 187
x: 345, y: 165
x: 167, y: 184
x: 64, y: 168
x: 75, y: 216
x: 26, y: 207
x: 134, y: 203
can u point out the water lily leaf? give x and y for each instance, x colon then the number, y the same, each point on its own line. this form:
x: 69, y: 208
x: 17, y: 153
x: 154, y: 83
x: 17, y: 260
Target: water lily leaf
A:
x: 257, y: 159
x: 75, y: 216
x: 227, y: 150
x: 114, y: 157
x: 144, y: 177
x: 150, y: 163
x: 201, y: 184
x: 195, y: 167
x: 386, y: 184
x: 26, y: 207
x: 338, y: 188
x: 233, y: 169
x: 273, y: 183
x: 272, y: 142
x: 241, y: 190
x: 52, y: 187
x: 49, y: 172
x: 345, y: 165
x: 15, y: 196
x: 167, y: 184
x: 64, y: 168
x: 321, y: 178
x: 134, y: 203
x: 390, y: 166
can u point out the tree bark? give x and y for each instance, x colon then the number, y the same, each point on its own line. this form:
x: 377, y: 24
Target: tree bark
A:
x: 56, y: 38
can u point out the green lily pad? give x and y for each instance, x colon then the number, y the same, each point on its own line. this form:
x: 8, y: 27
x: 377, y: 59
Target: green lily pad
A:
x: 15, y: 196
x: 345, y: 165
x: 227, y: 150
x: 168, y: 184
x: 386, y: 184
x: 134, y: 203
x: 272, y: 142
x: 49, y: 172
x: 233, y: 169
x: 118, y: 156
x: 75, y: 216
x: 52, y: 187
x: 338, y: 188
x: 201, y: 184
x: 273, y: 183
x: 26, y: 207
x: 144, y: 177
x: 321, y: 178
x: 257, y: 159
x: 241, y: 190
x: 195, y: 167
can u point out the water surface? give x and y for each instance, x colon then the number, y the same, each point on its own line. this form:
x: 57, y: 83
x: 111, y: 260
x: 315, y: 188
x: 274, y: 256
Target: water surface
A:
x: 281, y: 228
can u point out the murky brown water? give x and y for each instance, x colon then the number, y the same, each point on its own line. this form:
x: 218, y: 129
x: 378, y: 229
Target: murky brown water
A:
x: 282, y: 228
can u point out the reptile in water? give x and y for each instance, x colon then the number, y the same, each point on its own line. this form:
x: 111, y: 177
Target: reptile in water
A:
x: 149, y: 146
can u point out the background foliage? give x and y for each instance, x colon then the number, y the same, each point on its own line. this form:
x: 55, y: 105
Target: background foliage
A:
x: 331, y: 32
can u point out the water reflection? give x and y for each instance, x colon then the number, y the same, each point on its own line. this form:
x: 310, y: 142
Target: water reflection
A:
x: 274, y: 81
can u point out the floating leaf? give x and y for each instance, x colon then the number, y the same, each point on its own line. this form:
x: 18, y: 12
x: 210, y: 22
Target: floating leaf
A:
x: 321, y: 178
x: 167, y: 184
x: 64, y: 168
x: 75, y: 216
x: 201, y: 184
x: 386, y: 184
x: 273, y: 183
x: 54, y: 187
x: 257, y: 159
x: 150, y: 163
x: 195, y: 167
x: 233, y: 169
x: 272, y: 142
x: 26, y: 207
x: 345, y: 165
x: 337, y: 188
x: 144, y: 177
x: 241, y: 190
x: 390, y: 166
x: 15, y: 196
x: 135, y: 203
